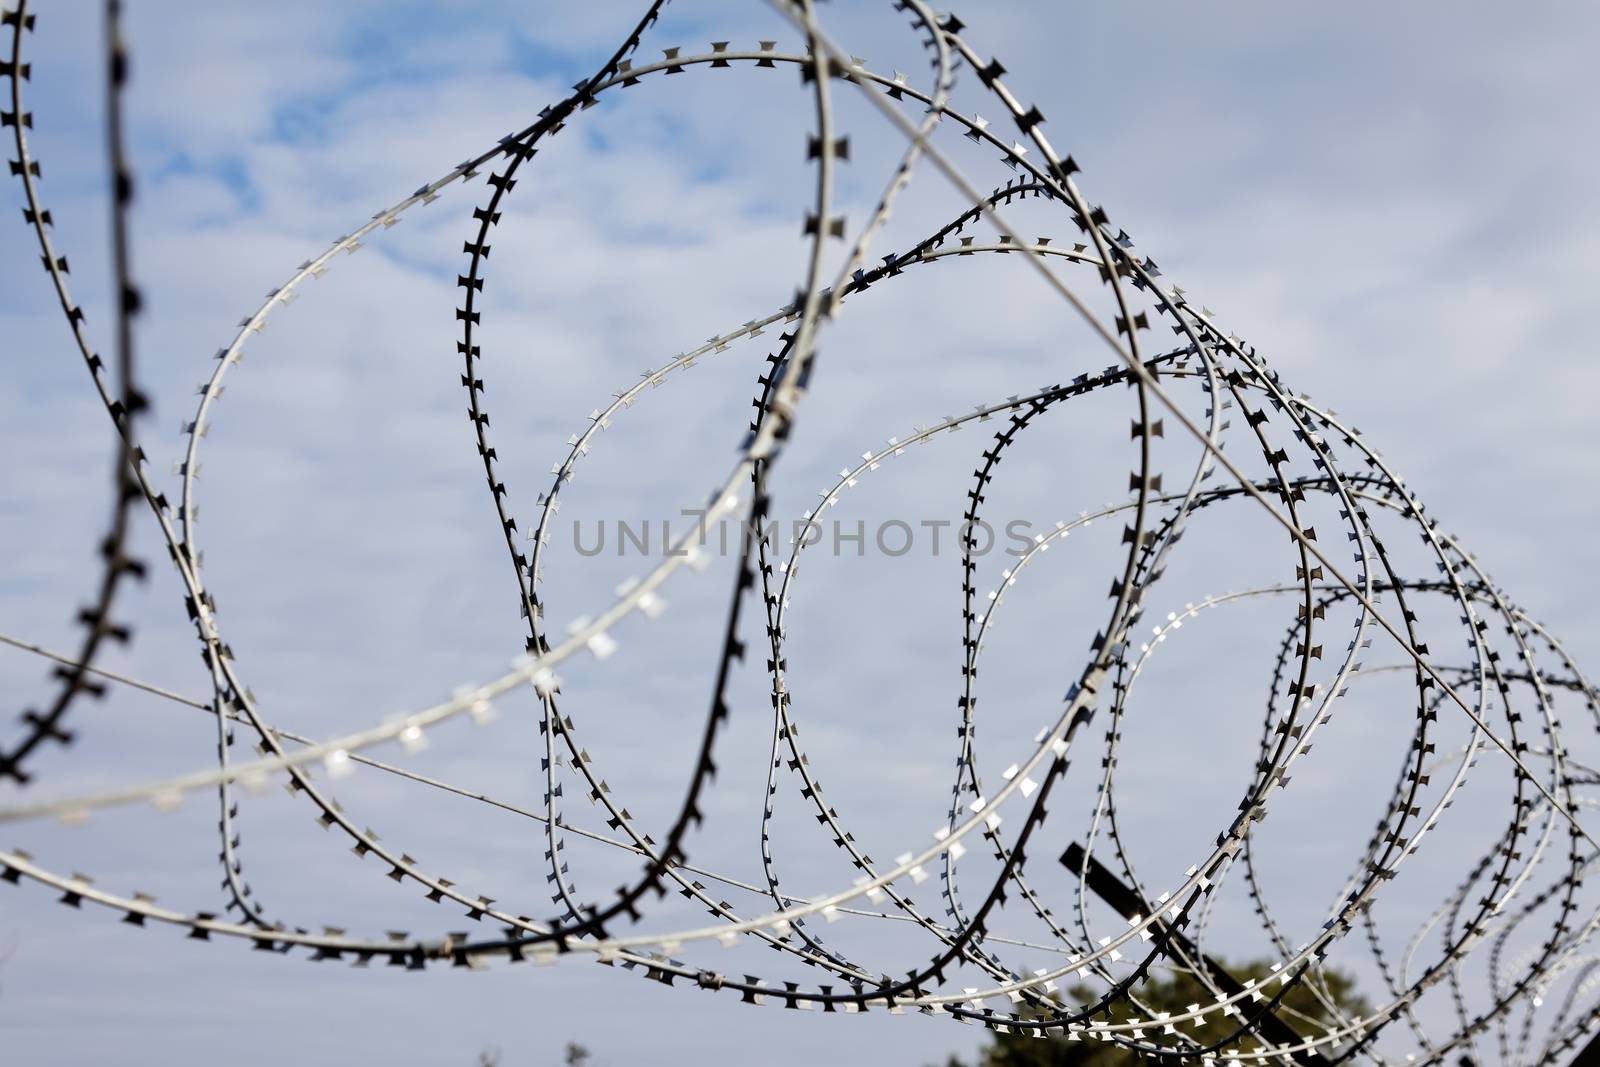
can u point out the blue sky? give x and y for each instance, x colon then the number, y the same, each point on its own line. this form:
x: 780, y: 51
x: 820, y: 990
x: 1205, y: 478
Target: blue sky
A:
x: 1394, y: 205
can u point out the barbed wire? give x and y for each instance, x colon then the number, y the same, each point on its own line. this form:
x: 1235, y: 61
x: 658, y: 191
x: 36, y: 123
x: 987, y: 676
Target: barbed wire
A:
x: 121, y: 396
x: 1504, y: 692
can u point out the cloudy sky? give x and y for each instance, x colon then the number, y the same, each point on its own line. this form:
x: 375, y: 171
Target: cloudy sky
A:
x: 1394, y: 204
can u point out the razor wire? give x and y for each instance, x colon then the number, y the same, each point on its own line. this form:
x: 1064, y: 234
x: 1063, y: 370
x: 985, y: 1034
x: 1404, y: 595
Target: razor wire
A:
x: 1503, y: 693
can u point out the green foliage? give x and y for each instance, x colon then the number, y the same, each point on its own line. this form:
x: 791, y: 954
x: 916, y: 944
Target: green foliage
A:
x: 1300, y: 1009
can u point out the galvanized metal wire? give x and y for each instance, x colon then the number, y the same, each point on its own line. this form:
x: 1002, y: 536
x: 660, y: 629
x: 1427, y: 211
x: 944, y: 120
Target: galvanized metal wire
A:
x: 1305, y: 459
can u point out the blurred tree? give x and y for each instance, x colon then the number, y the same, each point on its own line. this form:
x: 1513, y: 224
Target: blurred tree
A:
x: 1300, y: 1009
x: 576, y: 1056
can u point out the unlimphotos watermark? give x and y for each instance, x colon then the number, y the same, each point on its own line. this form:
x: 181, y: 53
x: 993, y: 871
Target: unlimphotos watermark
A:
x: 889, y: 537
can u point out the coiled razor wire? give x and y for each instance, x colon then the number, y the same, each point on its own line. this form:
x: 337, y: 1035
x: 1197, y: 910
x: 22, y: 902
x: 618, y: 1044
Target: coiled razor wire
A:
x: 1505, y: 688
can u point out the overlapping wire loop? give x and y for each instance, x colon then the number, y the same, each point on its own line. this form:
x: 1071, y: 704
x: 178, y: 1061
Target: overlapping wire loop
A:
x: 1296, y: 460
